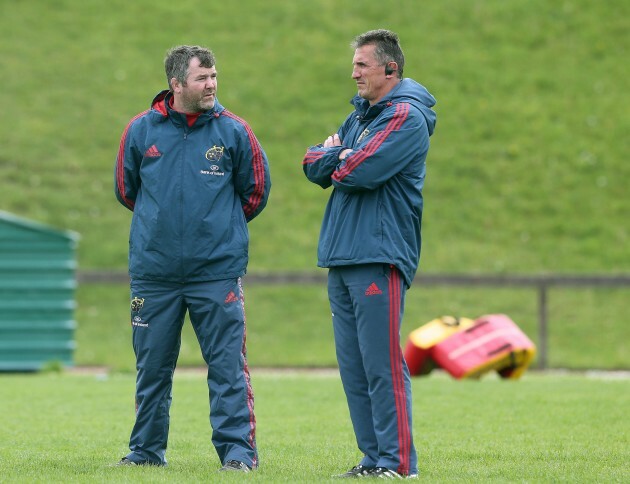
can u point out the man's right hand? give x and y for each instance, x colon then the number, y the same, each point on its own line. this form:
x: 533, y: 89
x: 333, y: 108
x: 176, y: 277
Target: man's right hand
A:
x: 332, y: 140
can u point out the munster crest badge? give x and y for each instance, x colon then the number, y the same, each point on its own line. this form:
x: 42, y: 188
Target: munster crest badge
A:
x: 136, y: 304
x: 215, y: 153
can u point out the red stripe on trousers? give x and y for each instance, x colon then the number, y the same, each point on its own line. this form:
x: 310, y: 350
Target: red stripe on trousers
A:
x: 400, y: 397
x: 250, y: 391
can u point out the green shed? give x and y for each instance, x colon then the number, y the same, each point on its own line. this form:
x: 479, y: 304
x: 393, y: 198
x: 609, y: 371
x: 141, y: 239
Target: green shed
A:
x: 37, y: 294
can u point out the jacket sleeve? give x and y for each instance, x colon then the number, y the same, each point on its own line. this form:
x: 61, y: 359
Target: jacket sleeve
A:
x: 127, y: 169
x: 320, y: 163
x: 399, y: 136
x: 252, y: 178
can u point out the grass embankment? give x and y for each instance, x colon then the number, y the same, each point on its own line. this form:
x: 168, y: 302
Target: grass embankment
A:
x: 527, y: 171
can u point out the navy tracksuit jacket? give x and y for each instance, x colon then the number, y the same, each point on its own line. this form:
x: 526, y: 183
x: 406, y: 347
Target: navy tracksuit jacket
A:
x: 192, y: 190
x: 370, y: 240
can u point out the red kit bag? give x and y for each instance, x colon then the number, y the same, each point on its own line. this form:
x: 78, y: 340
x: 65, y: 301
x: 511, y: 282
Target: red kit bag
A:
x: 417, y: 350
x: 494, y: 342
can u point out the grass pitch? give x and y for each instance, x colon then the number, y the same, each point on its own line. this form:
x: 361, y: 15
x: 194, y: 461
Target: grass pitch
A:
x: 543, y: 428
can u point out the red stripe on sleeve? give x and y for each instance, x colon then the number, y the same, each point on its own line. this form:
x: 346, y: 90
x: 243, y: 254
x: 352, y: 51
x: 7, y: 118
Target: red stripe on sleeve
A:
x: 312, y: 157
x: 257, y: 164
x: 120, y: 163
x: 354, y: 160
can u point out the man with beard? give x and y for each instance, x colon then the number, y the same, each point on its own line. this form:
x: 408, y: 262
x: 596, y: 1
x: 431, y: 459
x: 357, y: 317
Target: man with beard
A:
x: 194, y: 175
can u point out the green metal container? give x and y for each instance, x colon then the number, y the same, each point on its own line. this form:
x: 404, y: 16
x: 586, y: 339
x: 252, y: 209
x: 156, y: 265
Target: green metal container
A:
x: 37, y: 295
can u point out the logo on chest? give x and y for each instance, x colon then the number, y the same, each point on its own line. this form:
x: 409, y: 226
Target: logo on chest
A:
x: 363, y: 135
x: 214, y: 155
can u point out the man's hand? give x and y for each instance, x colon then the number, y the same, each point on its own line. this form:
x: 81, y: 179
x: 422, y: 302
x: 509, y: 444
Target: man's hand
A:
x: 332, y: 140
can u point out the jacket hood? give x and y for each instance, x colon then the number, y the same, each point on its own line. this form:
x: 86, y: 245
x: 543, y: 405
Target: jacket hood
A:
x: 161, y: 101
x: 408, y: 91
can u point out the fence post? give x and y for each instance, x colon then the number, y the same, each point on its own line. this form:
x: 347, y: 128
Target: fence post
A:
x: 542, y: 326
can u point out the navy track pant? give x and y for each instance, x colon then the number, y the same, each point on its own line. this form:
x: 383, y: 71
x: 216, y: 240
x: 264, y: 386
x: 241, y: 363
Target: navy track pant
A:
x: 216, y: 311
x: 367, y: 303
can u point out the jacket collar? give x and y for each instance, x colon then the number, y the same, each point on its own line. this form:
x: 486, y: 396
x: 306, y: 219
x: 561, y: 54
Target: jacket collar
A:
x: 365, y: 111
x: 161, y: 104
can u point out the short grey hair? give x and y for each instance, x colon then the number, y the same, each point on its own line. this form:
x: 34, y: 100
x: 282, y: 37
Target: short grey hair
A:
x: 387, y: 47
x: 178, y: 58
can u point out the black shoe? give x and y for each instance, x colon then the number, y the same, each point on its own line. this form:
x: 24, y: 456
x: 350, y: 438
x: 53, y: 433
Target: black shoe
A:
x: 356, y: 471
x: 125, y: 461
x: 235, y: 465
x: 385, y: 473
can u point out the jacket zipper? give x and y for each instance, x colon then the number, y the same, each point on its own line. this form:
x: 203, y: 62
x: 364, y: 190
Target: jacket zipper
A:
x: 181, y: 205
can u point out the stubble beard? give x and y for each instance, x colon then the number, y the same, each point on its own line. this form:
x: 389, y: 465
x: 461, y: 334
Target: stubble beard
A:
x: 198, y: 105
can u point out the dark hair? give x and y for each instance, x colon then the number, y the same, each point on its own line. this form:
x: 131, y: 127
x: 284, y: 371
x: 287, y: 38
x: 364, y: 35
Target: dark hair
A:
x: 178, y: 58
x: 387, y: 47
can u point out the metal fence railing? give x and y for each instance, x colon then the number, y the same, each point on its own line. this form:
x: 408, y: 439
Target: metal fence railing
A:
x: 541, y: 283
